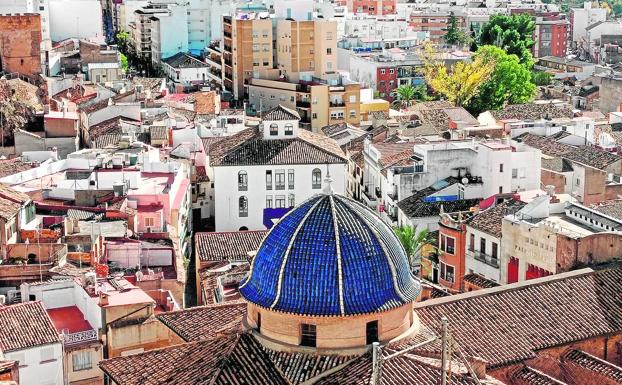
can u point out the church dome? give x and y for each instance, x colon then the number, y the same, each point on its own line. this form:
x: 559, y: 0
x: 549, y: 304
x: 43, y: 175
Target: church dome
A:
x: 330, y: 256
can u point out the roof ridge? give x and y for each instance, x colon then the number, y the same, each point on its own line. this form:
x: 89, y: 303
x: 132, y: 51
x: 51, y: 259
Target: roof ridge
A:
x: 508, y: 287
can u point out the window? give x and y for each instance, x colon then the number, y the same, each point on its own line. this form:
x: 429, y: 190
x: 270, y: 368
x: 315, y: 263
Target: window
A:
x: 391, y: 71
x: 383, y: 71
x: 500, y: 189
x: 472, y: 242
x: 495, y: 250
x: 243, y: 206
x: 316, y: 179
x: 514, y: 173
x: 268, y: 180
x: 371, y: 331
x: 352, y: 113
x: 81, y: 360
x: 290, y: 179
x: 47, y: 354
x: 149, y: 222
x: 482, y: 245
x: 352, y: 98
x: 329, y: 36
x: 279, y: 180
x: 292, y: 200
x: 289, y: 129
x: 279, y: 201
x: 308, y: 335
x: 501, y: 167
x: 314, y: 115
x: 242, y: 181
x: 258, y: 322
x: 274, y: 129
x: 447, y: 272
x: 578, y: 182
x: 268, y: 201
x: 447, y: 244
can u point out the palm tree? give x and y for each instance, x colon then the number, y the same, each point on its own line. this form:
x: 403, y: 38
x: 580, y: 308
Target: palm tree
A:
x: 412, y: 241
x: 405, y: 94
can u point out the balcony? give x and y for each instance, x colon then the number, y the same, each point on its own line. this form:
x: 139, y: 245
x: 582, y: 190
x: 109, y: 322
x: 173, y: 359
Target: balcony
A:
x: 303, y: 104
x: 484, y: 258
x: 227, y: 34
x: 80, y: 337
x: 337, y: 103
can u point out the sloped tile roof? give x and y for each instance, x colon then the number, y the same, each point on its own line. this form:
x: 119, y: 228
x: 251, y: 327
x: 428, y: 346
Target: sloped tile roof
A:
x: 13, y: 166
x: 416, y: 208
x: 229, y: 360
x: 490, y: 221
x: 611, y: 208
x: 300, y: 367
x: 183, y: 60
x: 227, y: 246
x: 8, y: 208
x: 12, y: 194
x: 594, y: 364
x: 249, y: 148
x: 533, y: 111
x: 532, y: 376
x: 280, y: 113
x: 205, y: 322
x: 479, y: 281
x: 158, y: 132
x: 508, y: 324
x: 24, y: 326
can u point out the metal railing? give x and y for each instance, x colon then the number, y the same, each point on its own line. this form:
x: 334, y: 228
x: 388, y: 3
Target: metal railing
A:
x: 80, y: 337
x: 485, y: 258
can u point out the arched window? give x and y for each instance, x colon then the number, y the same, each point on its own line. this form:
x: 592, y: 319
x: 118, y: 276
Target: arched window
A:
x: 274, y: 129
x: 316, y: 178
x: 243, y: 206
x: 242, y: 181
x: 289, y: 129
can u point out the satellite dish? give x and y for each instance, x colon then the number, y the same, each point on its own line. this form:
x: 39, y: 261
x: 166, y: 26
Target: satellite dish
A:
x: 465, y: 180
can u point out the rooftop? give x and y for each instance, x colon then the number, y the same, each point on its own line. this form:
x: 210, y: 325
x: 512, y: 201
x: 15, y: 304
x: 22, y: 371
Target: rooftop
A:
x: 491, y: 220
x: 69, y: 319
x: 249, y: 148
x: 280, y: 113
x: 533, y: 111
x: 183, y: 60
x: 26, y: 325
x: 227, y: 246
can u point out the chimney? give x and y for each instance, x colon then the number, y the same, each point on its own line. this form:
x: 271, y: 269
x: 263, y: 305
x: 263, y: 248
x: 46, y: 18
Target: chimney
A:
x: 103, y: 299
x: 478, y: 366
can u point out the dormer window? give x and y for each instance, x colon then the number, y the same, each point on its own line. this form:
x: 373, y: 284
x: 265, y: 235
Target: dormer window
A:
x: 289, y: 129
x: 274, y: 129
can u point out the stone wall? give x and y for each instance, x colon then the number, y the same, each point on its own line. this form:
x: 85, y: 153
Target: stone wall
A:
x: 610, y: 94
x: 20, y: 42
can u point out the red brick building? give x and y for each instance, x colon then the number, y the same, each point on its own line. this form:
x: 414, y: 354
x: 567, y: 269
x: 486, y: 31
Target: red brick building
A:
x: 20, y: 44
x: 436, y: 23
x: 452, y: 249
x: 386, y: 80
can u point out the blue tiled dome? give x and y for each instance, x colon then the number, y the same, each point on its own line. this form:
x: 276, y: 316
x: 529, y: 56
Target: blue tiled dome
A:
x: 330, y: 256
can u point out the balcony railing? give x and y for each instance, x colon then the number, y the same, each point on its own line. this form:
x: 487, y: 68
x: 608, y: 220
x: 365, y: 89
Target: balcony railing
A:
x: 337, y: 103
x: 80, y: 337
x: 303, y: 104
x: 485, y: 258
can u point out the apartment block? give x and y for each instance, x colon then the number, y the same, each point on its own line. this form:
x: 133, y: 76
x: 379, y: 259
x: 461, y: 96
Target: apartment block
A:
x: 372, y: 7
x: 247, y: 48
x: 435, y: 23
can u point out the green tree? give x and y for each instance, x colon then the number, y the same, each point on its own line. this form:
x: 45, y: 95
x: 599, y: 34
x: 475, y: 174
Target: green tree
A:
x: 514, y: 34
x: 124, y: 64
x: 412, y: 241
x: 460, y: 83
x: 122, y: 38
x: 454, y: 35
x: 510, y: 82
x: 541, y: 78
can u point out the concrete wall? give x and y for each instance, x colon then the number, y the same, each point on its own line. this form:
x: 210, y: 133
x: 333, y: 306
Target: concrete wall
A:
x: 80, y: 19
x: 33, y: 369
x: 610, y: 94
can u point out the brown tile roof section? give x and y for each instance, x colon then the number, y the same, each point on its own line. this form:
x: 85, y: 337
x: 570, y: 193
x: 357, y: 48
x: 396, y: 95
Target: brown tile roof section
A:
x: 479, y: 281
x: 227, y: 246
x: 13, y: 166
x: 24, y: 326
x: 8, y: 208
x: 509, y: 323
x: 611, y: 208
x: 205, y: 322
x: 230, y: 360
x: 280, y: 113
x: 491, y: 220
x: 587, y: 155
x: 594, y: 364
x: 249, y: 148
x: 533, y: 111
x: 13, y: 195
x: 527, y: 375
x: 300, y: 367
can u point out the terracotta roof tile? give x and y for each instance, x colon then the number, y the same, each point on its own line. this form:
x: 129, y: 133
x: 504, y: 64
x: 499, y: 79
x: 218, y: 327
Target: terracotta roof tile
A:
x: 280, y: 113
x: 228, y: 360
x: 532, y: 111
x: 249, y: 148
x: 24, y: 326
x: 491, y: 220
x: 13, y: 166
x: 532, y: 376
x: 205, y: 322
x: 8, y: 208
x: 231, y: 246
x: 479, y: 281
x: 594, y: 364
x: 509, y: 323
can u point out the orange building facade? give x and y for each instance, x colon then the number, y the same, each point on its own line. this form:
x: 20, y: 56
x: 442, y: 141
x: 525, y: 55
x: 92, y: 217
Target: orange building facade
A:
x: 451, y: 249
